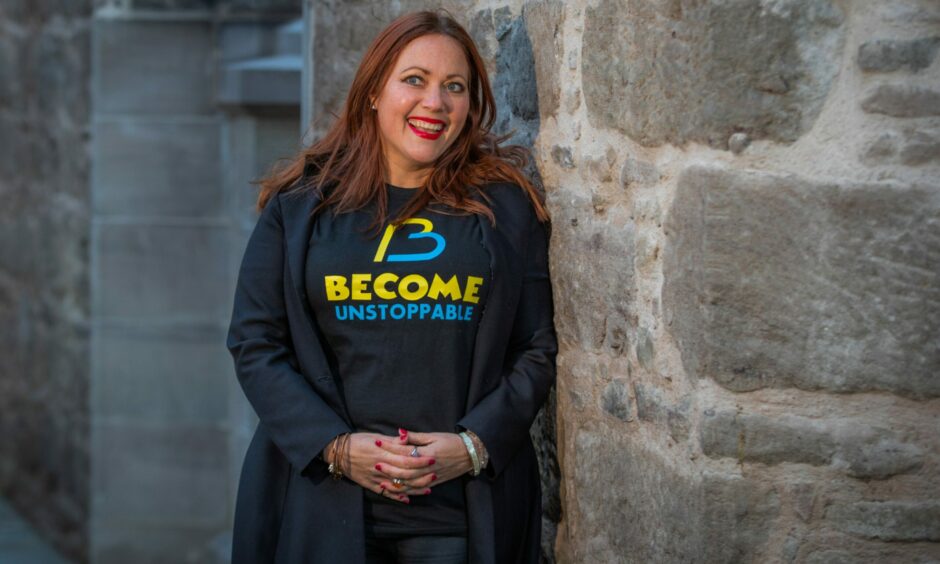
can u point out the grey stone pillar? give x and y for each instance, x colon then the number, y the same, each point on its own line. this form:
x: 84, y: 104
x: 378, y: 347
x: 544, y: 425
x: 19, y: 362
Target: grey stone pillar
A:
x: 174, y: 149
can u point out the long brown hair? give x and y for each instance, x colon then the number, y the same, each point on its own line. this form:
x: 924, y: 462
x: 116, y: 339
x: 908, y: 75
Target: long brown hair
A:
x: 350, y: 158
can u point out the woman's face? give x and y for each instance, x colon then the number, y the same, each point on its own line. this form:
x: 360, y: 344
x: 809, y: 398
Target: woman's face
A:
x: 427, y: 89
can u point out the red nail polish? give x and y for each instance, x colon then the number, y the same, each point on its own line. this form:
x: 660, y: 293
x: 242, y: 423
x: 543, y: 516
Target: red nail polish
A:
x: 427, y: 491
x: 378, y: 467
x: 378, y: 442
x: 382, y: 486
x: 433, y: 477
x: 431, y: 462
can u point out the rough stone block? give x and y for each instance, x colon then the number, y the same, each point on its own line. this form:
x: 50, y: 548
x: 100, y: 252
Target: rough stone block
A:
x: 59, y: 63
x: 668, y: 513
x: 563, y: 157
x: 888, y: 520
x: 183, y: 381
x: 150, y: 272
x: 920, y: 147
x: 616, y: 400
x: 515, y: 84
x: 670, y: 72
x: 651, y: 406
x: 153, y: 67
x: 832, y: 557
x: 861, y: 451
x: 544, y: 21
x: 636, y: 172
x: 885, y: 55
x: 902, y: 100
x: 151, y: 168
x: 756, y: 438
x: 172, y: 475
x: 778, y: 281
x: 910, y: 147
x: 593, y: 297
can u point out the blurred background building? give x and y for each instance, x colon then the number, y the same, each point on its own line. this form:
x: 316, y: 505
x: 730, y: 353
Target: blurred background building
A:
x: 745, y: 252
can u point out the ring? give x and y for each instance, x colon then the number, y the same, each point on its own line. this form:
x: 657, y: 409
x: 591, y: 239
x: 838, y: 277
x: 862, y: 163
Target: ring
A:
x: 398, y: 483
x: 414, y: 452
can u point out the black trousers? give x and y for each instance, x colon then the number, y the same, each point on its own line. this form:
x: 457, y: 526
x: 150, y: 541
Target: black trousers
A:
x: 421, y: 549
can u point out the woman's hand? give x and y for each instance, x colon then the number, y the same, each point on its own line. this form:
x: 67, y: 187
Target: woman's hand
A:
x: 373, y: 461
x: 447, y: 449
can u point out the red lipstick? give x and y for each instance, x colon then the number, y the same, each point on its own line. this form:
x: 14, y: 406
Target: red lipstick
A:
x: 426, y: 134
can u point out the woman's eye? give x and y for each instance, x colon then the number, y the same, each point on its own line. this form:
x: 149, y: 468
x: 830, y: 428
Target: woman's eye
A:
x: 412, y: 76
x: 458, y: 85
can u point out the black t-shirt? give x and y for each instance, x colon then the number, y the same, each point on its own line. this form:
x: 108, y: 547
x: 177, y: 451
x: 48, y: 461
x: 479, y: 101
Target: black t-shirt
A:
x: 400, y: 312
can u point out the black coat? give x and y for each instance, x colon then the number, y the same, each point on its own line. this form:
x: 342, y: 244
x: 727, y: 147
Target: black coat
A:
x: 288, y: 509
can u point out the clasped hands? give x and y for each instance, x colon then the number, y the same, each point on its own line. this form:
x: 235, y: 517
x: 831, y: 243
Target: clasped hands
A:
x: 375, y: 461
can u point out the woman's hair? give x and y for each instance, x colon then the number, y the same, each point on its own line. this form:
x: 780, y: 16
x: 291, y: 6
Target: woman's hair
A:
x: 350, y: 155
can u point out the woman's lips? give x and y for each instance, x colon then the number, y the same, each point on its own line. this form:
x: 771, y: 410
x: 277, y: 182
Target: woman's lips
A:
x: 425, y: 134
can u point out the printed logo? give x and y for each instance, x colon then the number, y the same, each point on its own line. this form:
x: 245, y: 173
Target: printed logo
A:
x: 379, y: 296
x: 427, y: 232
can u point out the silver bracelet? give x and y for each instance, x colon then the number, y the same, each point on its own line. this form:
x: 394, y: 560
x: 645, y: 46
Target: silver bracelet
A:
x: 473, y: 454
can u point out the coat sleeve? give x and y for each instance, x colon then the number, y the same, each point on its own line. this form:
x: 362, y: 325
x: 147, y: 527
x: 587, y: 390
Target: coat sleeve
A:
x: 295, y: 416
x: 503, y: 417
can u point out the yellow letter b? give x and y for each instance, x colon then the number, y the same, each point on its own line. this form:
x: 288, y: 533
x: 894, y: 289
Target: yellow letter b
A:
x: 336, y: 287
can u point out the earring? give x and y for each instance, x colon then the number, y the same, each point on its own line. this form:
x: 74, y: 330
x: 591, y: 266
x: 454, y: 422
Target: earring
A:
x: 373, y: 106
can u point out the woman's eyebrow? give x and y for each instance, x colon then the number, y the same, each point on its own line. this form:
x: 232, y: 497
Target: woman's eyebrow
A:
x: 425, y: 71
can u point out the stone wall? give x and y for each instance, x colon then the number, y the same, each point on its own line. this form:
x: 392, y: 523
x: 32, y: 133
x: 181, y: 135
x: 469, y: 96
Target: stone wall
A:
x: 44, y: 264
x: 747, y: 261
x: 746, y: 265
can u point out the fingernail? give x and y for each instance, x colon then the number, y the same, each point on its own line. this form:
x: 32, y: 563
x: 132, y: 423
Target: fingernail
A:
x: 378, y: 467
x: 378, y: 442
x: 405, y: 499
x: 433, y: 477
x: 382, y: 486
x: 402, y: 432
x: 431, y: 462
x: 427, y: 491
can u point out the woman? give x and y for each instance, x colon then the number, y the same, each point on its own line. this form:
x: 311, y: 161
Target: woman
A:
x: 396, y: 373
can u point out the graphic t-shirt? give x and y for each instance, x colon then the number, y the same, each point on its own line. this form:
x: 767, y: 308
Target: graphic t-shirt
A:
x: 400, y: 312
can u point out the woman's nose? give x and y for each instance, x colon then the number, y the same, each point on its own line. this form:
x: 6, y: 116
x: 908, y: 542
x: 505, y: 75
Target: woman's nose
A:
x: 434, y: 99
